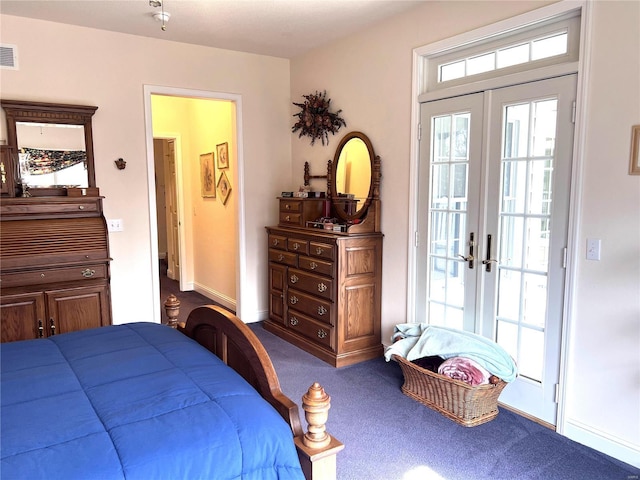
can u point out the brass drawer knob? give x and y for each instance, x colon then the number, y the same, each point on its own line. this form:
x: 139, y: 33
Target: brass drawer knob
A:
x: 275, y: 242
x: 322, y: 333
x: 293, y: 321
x: 280, y: 257
x: 287, y: 206
x: 322, y: 287
x: 293, y: 300
x: 322, y: 311
x: 294, y: 279
x: 313, y: 265
x: 287, y: 218
x: 319, y: 250
x: 81, y: 207
x: 296, y: 246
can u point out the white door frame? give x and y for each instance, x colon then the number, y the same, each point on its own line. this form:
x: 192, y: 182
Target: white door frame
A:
x: 419, y: 66
x: 150, y: 90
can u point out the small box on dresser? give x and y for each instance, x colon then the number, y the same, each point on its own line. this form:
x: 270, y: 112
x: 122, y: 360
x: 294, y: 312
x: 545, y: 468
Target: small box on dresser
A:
x: 296, y: 212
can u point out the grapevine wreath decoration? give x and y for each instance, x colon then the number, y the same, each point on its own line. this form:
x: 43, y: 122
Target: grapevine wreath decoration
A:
x: 314, y: 118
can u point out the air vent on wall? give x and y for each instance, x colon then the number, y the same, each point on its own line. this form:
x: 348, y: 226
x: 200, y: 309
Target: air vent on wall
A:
x: 9, y: 56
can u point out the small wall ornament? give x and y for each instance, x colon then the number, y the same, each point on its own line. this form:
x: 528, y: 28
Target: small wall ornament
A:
x: 315, y: 120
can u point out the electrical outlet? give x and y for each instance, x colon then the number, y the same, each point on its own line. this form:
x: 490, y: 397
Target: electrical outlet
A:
x: 114, y: 225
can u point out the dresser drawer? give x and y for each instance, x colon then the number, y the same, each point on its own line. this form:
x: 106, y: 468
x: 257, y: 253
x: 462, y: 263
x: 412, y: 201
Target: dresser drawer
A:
x: 319, y: 333
x: 315, y: 265
x: 286, y: 258
x: 287, y: 218
x: 298, y: 246
x: 315, y: 307
x: 322, y: 250
x: 310, y: 283
x: 277, y: 241
x: 290, y: 206
x: 53, y: 275
x: 63, y: 206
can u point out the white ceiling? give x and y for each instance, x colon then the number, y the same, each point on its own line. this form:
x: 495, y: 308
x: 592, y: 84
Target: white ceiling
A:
x: 281, y: 28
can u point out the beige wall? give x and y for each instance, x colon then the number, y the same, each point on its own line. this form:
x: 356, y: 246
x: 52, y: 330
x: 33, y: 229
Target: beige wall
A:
x: 92, y: 67
x: 368, y: 76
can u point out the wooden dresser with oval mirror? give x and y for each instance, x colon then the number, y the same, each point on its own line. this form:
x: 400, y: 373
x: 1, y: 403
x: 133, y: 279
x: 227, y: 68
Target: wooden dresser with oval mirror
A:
x: 325, y: 261
x: 54, y: 260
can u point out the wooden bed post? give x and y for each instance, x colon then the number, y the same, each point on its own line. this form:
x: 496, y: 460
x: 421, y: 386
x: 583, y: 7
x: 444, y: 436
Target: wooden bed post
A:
x: 172, y: 307
x: 317, y: 449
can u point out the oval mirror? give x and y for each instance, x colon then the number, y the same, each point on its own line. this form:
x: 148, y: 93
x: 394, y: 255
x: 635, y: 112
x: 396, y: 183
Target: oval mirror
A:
x: 351, y: 187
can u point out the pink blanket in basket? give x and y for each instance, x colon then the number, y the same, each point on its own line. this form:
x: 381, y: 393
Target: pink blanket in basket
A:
x: 465, y: 370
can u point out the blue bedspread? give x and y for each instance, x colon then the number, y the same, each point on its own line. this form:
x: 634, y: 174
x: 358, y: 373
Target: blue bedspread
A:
x: 135, y: 401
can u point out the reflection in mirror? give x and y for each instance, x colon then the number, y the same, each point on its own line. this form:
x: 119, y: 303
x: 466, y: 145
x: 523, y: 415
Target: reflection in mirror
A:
x: 52, y: 155
x: 353, y: 174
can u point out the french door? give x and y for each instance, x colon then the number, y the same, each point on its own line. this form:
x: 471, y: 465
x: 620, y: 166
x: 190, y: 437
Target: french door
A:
x: 494, y: 192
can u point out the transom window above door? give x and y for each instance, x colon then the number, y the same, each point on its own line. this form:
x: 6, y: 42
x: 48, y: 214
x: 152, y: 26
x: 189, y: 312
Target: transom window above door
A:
x: 544, y: 44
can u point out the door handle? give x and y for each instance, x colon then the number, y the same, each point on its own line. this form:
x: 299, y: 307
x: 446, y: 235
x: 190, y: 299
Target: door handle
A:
x: 488, y: 260
x: 470, y: 258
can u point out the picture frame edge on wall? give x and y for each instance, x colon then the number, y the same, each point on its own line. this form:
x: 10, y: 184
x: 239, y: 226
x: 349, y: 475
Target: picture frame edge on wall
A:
x: 207, y: 175
x: 634, y: 159
x: 222, y: 150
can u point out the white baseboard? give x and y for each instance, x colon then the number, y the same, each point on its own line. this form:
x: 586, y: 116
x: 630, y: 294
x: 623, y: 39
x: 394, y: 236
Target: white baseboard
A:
x: 603, y: 442
x: 224, y: 300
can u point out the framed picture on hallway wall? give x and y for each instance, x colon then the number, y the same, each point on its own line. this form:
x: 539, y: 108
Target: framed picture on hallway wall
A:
x: 225, y: 187
x: 223, y: 155
x: 207, y: 175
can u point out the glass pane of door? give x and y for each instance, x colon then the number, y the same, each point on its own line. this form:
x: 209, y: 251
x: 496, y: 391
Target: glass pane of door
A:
x: 528, y: 139
x: 450, y: 157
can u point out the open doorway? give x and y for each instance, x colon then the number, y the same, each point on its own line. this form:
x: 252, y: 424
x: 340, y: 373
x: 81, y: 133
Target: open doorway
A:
x: 196, y: 237
x: 167, y: 208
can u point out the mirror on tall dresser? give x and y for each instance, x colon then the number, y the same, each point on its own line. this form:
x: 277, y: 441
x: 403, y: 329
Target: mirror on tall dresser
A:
x: 354, y: 179
x: 53, y: 145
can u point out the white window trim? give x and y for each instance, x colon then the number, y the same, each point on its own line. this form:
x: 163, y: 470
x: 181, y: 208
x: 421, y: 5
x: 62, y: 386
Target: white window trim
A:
x: 420, y: 55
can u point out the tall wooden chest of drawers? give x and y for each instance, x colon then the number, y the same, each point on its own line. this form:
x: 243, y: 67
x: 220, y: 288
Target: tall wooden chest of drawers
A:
x: 325, y: 292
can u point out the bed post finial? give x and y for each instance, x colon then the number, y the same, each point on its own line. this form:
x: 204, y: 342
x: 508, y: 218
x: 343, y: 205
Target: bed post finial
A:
x: 317, y: 449
x: 172, y: 307
x: 316, y: 404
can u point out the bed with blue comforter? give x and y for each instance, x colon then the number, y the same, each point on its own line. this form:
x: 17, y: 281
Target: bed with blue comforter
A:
x: 136, y: 401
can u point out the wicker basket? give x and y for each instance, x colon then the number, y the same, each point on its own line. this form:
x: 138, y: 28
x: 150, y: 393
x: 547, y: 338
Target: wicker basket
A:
x: 469, y: 406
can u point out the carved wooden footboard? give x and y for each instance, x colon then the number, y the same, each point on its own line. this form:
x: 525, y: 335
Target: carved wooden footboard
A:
x: 235, y: 344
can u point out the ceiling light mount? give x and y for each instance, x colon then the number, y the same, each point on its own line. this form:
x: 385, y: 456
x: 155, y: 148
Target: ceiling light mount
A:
x: 160, y: 16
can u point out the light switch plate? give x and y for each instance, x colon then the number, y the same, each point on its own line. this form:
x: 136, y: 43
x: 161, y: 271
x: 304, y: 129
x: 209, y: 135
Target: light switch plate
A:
x: 593, y: 249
